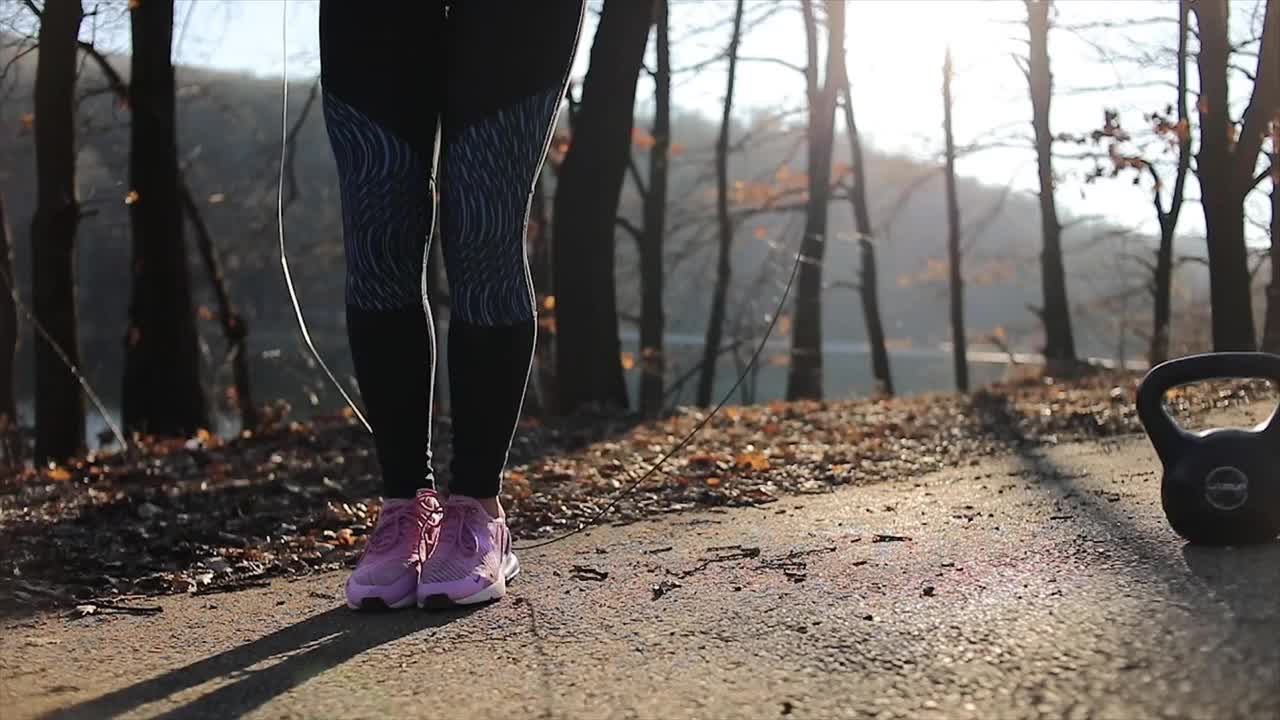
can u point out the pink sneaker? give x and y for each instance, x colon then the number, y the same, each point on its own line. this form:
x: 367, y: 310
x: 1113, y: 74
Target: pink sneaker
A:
x: 473, y: 562
x: 388, y: 569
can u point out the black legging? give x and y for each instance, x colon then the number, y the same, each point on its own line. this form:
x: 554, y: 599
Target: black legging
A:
x: 490, y: 77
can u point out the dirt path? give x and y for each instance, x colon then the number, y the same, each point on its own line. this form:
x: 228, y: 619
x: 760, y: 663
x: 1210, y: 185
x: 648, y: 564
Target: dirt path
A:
x: 1042, y: 585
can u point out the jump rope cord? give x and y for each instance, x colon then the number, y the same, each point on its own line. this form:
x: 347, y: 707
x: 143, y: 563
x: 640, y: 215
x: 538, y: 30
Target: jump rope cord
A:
x: 284, y: 257
x: 306, y: 335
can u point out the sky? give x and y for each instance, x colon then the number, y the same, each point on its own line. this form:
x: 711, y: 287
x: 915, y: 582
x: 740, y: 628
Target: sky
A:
x: 894, y: 54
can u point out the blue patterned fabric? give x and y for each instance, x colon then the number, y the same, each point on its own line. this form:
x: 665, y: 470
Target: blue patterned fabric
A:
x: 488, y: 171
x: 476, y: 86
x: 386, y: 209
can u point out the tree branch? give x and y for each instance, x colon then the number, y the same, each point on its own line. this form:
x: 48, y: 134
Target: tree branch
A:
x: 775, y: 61
x: 635, y: 175
x: 1243, y: 71
x: 16, y: 57
x: 630, y: 227
x: 1264, y: 99
x: 291, y: 173
x: 846, y: 285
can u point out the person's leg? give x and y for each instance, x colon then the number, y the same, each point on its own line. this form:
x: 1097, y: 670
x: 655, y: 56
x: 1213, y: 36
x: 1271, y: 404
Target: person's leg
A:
x: 508, y: 63
x: 383, y: 134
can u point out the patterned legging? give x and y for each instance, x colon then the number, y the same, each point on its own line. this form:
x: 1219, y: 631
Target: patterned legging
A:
x: 480, y: 81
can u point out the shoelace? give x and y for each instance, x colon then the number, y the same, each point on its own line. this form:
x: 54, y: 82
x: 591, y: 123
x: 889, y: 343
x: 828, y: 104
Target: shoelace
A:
x: 400, y: 521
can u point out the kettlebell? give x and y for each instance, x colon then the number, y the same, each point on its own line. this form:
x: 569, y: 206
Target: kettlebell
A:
x: 1220, y: 486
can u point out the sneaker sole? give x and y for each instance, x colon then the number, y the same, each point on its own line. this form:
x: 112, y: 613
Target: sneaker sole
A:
x: 492, y: 593
x: 373, y: 602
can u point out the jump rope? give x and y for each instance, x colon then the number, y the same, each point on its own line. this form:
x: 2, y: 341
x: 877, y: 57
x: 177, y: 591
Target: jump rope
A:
x: 315, y: 353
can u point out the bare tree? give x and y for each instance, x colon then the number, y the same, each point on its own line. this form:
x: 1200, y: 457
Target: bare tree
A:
x: 162, y: 394
x: 1060, y: 349
x: 724, y: 269
x: 1226, y: 164
x: 1162, y: 280
x: 1271, y: 335
x: 235, y: 329
x: 804, y: 379
x: 588, y: 348
x: 538, y: 241
x: 8, y: 326
x: 959, y: 341
x: 868, y: 284
x: 652, y: 316
x: 59, y: 404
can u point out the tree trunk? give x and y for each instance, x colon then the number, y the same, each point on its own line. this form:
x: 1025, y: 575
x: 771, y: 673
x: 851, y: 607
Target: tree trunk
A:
x: 1271, y: 337
x: 8, y: 326
x: 652, y: 316
x: 868, y: 283
x: 1271, y: 333
x: 1226, y: 164
x: 588, y: 348
x: 1162, y: 291
x: 10, y: 447
x: 959, y: 340
x: 724, y: 269
x: 1060, y: 348
x: 804, y: 380
x: 8, y: 333
x: 162, y: 393
x: 1162, y: 282
x: 540, y: 250
x: 1232, y: 309
x: 234, y: 328
x: 59, y: 403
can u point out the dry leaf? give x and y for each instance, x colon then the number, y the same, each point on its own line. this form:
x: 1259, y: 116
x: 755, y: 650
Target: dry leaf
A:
x: 754, y: 460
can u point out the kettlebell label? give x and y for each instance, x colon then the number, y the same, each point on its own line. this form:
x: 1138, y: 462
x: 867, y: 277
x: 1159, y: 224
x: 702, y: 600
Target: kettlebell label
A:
x: 1226, y: 488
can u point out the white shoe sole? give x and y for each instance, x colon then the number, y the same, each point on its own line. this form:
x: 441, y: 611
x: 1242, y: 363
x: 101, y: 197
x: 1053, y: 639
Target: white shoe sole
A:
x: 495, y: 591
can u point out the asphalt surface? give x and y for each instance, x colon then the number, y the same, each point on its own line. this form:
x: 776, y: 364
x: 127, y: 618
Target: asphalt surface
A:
x: 1040, y: 585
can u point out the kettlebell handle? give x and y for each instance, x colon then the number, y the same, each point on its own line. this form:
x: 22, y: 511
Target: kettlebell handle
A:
x: 1166, y: 436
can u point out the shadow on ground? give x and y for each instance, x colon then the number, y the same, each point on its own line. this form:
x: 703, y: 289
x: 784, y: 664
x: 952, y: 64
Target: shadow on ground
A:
x: 1225, y: 574
x: 308, y: 648
x: 267, y: 506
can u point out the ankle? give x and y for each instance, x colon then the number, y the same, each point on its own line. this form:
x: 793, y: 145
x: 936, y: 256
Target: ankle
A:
x: 491, y: 506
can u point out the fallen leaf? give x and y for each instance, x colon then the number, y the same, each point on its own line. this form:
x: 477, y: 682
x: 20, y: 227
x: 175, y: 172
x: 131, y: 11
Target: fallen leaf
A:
x: 754, y: 460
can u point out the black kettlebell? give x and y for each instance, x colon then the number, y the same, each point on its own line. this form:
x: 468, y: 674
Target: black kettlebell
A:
x: 1220, y: 486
